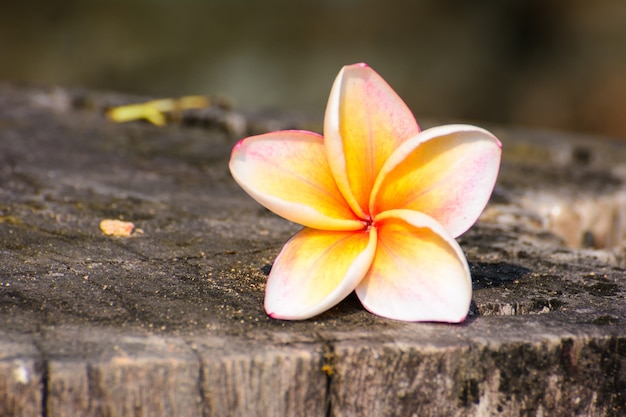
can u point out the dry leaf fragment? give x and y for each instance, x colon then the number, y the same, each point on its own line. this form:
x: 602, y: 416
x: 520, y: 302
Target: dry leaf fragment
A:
x: 153, y: 111
x: 120, y: 228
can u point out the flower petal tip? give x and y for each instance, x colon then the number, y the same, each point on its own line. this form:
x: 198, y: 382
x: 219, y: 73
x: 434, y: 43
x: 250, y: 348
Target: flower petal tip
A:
x: 455, y: 320
x: 285, y: 317
x: 238, y: 145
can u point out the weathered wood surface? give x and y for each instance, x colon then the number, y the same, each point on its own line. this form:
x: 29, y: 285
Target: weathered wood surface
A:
x: 169, y: 322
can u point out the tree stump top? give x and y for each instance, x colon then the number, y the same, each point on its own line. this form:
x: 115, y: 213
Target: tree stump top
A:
x: 169, y: 320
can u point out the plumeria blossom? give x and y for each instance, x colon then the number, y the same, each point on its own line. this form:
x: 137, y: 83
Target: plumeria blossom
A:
x: 381, y: 203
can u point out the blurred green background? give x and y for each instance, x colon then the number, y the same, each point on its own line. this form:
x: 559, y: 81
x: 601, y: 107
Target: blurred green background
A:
x: 554, y: 64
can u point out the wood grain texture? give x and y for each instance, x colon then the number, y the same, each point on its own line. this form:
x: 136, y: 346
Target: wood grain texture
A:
x: 246, y: 379
x: 98, y: 373
x: 522, y: 370
x: 21, y: 377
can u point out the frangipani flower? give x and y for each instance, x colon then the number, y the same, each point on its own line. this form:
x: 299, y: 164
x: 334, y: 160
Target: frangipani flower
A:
x: 381, y: 203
